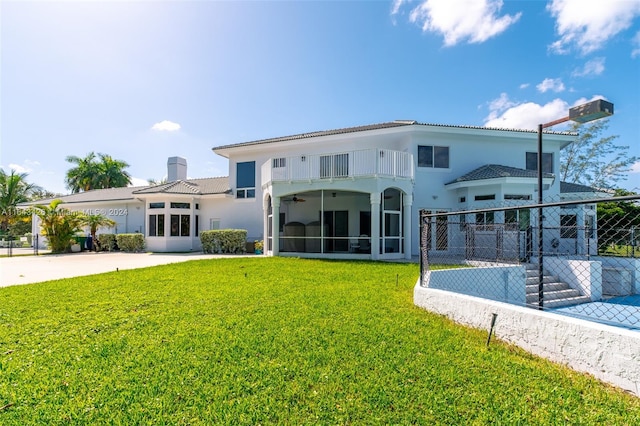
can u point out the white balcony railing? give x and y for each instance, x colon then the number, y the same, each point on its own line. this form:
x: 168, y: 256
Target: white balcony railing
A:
x: 352, y: 164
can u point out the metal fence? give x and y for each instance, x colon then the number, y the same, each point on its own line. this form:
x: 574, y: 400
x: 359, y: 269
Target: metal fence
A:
x: 578, y: 258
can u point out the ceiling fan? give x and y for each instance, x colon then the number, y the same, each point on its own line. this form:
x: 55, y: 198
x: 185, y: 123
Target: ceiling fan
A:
x: 295, y: 199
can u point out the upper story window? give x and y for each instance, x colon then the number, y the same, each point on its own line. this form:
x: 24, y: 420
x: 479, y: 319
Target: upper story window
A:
x: 246, y: 179
x: 547, y: 161
x: 433, y: 156
x: 180, y: 205
x: 156, y: 205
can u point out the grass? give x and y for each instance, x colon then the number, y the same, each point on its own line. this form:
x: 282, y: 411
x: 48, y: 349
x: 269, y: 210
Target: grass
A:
x: 270, y: 341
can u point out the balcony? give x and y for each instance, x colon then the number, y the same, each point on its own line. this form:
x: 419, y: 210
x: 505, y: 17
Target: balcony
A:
x: 343, y: 165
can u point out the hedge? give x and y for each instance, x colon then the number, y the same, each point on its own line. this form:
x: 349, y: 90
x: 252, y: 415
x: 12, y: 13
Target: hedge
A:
x: 224, y: 241
x: 107, y: 242
x: 130, y: 242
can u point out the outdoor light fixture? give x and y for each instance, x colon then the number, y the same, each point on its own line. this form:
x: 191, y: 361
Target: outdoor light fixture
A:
x: 581, y: 114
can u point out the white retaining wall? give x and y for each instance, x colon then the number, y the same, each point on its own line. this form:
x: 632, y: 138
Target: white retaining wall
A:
x: 609, y: 353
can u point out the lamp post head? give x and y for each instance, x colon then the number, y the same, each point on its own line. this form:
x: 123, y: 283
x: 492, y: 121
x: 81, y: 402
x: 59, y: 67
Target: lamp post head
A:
x: 591, y: 111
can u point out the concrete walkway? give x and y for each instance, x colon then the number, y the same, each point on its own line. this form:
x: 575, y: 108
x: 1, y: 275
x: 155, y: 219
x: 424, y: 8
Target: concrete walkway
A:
x: 31, y: 269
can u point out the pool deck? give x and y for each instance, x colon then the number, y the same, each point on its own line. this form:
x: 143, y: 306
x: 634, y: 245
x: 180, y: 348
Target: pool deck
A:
x: 618, y: 311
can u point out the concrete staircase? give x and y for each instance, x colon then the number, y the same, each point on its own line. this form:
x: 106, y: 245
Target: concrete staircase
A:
x: 557, y: 294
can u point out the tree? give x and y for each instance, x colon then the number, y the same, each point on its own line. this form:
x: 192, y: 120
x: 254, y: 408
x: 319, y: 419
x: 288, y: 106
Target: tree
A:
x: 617, y: 221
x: 96, y: 172
x: 59, y: 225
x: 14, y: 190
x: 43, y: 194
x: 154, y: 182
x: 82, y: 176
x: 593, y: 160
x: 95, y: 221
x: 112, y: 173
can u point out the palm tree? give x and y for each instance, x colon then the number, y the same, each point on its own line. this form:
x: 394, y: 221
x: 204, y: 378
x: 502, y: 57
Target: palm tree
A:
x: 59, y: 225
x: 96, y: 172
x: 95, y: 221
x: 112, y: 173
x: 82, y: 176
x: 14, y: 190
x: 154, y: 182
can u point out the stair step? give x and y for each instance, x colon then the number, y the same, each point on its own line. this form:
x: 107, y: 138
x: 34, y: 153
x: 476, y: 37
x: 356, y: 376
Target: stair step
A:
x: 560, y: 303
x: 553, y: 295
x: 545, y: 279
x: 547, y: 286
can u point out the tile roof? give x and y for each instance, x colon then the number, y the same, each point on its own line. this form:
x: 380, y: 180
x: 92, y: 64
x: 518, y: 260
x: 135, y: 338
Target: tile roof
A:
x: 494, y: 171
x: 204, y: 186
x: 568, y: 187
x: 110, y: 194
x: 378, y: 126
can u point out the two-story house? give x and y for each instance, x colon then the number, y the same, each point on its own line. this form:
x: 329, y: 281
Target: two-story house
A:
x: 353, y: 192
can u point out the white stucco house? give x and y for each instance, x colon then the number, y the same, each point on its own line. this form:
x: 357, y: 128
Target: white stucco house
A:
x: 346, y: 193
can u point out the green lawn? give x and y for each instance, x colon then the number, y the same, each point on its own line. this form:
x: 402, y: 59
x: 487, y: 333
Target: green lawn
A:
x: 270, y: 341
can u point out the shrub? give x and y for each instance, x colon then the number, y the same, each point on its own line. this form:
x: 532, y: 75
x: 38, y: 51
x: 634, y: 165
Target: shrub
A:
x: 59, y: 225
x: 130, y: 242
x: 107, y: 242
x: 224, y: 240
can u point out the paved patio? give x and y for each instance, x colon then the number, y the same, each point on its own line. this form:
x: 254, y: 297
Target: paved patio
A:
x: 21, y: 269
x: 618, y: 311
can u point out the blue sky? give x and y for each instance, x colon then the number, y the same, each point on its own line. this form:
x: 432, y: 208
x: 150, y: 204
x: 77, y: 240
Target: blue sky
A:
x: 146, y: 80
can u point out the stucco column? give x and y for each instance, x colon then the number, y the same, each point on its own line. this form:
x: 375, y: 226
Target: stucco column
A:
x: 375, y: 225
x: 275, y: 202
x: 406, y: 211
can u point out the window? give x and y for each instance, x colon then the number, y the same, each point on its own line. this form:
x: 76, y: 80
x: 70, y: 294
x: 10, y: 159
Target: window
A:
x: 484, y: 221
x: 156, y: 225
x: 246, y: 179
x: 180, y: 224
x: 156, y: 205
x: 433, y: 156
x: 485, y: 197
x: 279, y: 162
x: 568, y: 226
x: 463, y: 199
x: 214, y: 223
x: 547, y: 161
x: 589, y: 228
x: 246, y: 193
x: 180, y: 205
x: 516, y: 197
x: 517, y: 219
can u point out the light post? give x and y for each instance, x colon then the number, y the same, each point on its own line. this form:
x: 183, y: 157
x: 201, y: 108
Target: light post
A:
x: 582, y: 114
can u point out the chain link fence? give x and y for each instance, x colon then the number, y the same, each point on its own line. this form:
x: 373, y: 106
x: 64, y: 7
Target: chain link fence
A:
x: 578, y: 258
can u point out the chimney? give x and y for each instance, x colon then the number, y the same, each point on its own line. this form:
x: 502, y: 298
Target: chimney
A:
x: 176, y: 169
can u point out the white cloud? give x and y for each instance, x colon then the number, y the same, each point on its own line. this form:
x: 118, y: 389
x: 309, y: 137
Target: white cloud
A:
x: 458, y: 20
x: 18, y: 168
x: 396, y: 5
x: 504, y: 113
x: 587, y: 26
x: 166, y: 126
x: 511, y: 115
x: 592, y: 67
x: 635, y: 168
x: 636, y: 45
x: 524, y: 85
x: 553, y: 84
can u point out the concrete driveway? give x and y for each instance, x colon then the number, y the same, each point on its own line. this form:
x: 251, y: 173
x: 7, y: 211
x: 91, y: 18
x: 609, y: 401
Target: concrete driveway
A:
x: 31, y: 269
